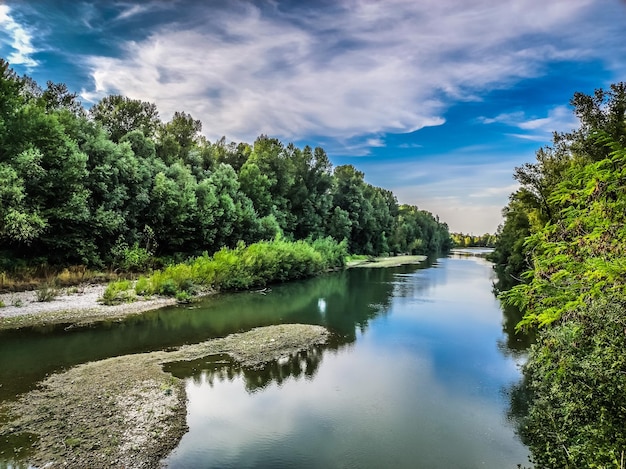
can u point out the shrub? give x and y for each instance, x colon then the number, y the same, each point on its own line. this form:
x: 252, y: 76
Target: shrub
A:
x: 183, y: 297
x: 575, y: 376
x: 131, y: 259
x: 46, y: 293
x: 118, y: 292
x: 247, y: 266
x: 144, y: 287
x: 168, y: 288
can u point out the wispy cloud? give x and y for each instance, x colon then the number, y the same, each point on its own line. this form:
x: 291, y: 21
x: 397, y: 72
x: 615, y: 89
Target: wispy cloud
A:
x: 559, y: 119
x: 354, y: 68
x: 494, y: 191
x: 129, y: 9
x: 20, y: 39
x: 375, y: 142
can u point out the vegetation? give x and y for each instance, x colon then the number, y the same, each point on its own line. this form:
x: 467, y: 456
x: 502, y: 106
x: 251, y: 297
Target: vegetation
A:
x: 118, y: 292
x: 564, y: 239
x: 47, y: 293
x: 245, y: 267
x: 115, y: 187
x: 462, y: 240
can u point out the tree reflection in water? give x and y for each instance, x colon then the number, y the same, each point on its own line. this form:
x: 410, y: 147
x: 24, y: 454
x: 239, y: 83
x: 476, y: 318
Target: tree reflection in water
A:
x: 220, y: 368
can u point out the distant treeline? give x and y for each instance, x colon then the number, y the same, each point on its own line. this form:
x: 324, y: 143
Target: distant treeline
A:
x: 114, y: 186
x: 462, y: 240
x: 564, y: 243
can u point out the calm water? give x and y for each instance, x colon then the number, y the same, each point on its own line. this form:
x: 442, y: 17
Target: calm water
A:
x: 417, y: 375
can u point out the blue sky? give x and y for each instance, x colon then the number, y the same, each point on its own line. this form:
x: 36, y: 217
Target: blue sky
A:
x: 436, y: 100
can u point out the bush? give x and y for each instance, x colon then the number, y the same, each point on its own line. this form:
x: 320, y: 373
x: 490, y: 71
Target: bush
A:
x: 46, y: 293
x: 248, y: 266
x: 144, y: 287
x: 168, y: 288
x: 131, y: 259
x: 183, y: 297
x: 117, y: 293
x: 575, y: 375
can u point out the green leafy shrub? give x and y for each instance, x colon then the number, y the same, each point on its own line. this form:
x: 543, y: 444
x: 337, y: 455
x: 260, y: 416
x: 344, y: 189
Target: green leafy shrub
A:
x: 168, y: 288
x: 249, y: 266
x: 575, y: 375
x: 183, y: 297
x: 118, y: 292
x: 131, y: 258
x: 143, y: 286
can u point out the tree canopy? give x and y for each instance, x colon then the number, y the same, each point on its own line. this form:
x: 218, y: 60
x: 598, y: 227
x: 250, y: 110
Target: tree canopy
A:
x: 84, y: 186
x: 564, y: 242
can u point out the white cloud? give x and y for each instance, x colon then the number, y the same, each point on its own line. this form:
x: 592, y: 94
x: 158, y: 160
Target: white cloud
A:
x: 375, y: 142
x: 20, y: 40
x: 496, y: 191
x: 539, y: 129
x: 358, y: 68
x: 129, y: 10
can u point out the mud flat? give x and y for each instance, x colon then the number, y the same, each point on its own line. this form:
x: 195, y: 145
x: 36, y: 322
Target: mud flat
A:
x: 126, y: 411
x: 393, y: 261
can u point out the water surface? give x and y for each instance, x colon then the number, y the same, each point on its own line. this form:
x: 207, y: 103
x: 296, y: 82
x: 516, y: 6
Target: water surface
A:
x: 417, y: 373
x: 418, y: 379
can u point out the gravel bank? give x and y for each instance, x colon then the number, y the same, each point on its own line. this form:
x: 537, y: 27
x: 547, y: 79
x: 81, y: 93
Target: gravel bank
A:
x: 126, y: 411
x: 78, y: 306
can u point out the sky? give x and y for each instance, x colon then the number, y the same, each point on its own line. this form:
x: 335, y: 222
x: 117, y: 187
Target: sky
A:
x: 436, y: 100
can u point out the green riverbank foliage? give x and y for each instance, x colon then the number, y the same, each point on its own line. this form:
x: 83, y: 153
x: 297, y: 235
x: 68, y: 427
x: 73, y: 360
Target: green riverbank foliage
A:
x: 564, y: 241
x: 246, y: 267
x: 115, y: 187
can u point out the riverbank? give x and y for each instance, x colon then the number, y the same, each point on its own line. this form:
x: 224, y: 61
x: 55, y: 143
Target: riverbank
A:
x: 75, y: 306
x: 80, y: 306
x: 392, y: 261
x: 126, y: 411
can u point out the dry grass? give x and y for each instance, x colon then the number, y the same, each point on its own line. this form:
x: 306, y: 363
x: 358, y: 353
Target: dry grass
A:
x: 32, y: 278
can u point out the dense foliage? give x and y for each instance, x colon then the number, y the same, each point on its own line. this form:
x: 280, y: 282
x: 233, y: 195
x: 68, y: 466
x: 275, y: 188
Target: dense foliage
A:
x: 462, y: 240
x: 115, y: 186
x: 577, y: 387
x: 564, y: 238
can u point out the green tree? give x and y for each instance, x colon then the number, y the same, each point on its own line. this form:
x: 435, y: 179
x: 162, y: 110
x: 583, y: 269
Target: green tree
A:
x: 120, y: 115
x: 178, y: 137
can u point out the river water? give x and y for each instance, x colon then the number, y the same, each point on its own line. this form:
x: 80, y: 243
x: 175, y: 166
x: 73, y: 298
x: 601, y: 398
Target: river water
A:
x: 418, y: 373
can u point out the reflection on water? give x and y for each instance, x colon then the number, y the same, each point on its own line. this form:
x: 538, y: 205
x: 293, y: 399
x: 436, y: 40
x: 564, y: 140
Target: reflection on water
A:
x: 416, y: 379
x: 417, y: 373
x: 219, y: 368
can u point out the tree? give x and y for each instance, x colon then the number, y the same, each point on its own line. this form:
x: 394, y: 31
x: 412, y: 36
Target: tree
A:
x: 120, y: 115
x: 178, y: 137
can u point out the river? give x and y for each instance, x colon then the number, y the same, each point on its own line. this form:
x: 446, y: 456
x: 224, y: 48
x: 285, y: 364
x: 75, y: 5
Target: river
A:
x: 417, y: 375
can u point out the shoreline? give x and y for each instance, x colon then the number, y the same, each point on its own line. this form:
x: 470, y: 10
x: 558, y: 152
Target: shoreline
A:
x: 79, y: 306
x: 127, y: 411
x: 76, y: 307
